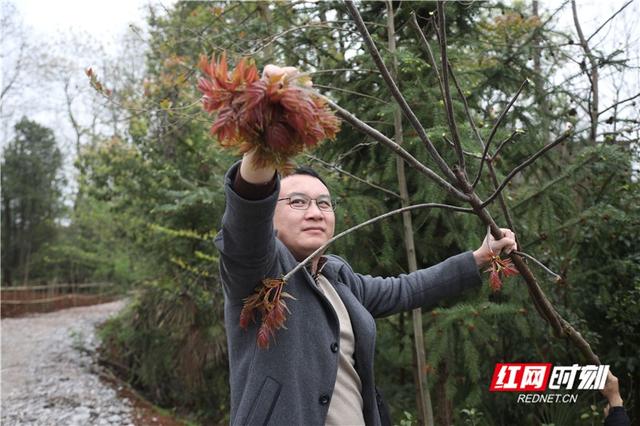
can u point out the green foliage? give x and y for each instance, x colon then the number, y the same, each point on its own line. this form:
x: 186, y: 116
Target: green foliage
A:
x: 170, y: 344
x: 31, y: 200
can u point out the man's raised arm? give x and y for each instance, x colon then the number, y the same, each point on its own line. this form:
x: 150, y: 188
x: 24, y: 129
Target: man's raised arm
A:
x: 246, y: 241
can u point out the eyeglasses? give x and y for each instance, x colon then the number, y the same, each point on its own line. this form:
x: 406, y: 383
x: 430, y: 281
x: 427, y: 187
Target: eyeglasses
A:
x: 303, y: 202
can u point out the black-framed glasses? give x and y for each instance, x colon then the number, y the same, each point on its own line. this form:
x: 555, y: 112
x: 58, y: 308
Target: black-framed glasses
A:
x: 303, y: 202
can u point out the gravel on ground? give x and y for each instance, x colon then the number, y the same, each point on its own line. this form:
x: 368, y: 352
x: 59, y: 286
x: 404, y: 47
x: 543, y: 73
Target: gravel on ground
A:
x: 49, y: 374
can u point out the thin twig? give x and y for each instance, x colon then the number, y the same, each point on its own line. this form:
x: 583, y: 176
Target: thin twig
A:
x: 524, y: 164
x: 446, y: 95
x: 549, y: 271
x: 608, y: 20
x: 352, y: 92
x: 470, y: 154
x: 504, y: 142
x: 355, y: 149
x: 369, y: 222
x: 467, y: 111
x: 393, y: 87
x: 618, y: 103
x: 592, y: 74
x: 330, y: 70
x: 495, y: 129
x: 352, y: 176
x: 502, y: 202
x: 427, y: 47
x: 410, y: 159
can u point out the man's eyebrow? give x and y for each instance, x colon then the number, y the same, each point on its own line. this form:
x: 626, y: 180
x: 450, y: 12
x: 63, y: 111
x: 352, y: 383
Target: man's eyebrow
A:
x: 291, y: 194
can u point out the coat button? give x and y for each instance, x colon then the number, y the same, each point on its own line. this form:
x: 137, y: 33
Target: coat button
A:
x: 324, y: 399
x: 334, y: 347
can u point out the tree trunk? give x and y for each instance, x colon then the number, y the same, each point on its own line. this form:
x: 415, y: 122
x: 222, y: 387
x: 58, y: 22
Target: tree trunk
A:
x: 444, y: 415
x: 423, y: 399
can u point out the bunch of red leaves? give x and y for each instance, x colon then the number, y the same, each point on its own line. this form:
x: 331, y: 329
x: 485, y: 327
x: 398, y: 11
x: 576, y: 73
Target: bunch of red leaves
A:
x: 280, y: 115
x: 267, y: 301
x: 498, y: 269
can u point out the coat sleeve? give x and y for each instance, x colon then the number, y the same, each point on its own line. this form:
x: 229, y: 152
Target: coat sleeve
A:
x: 424, y: 288
x: 246, y: 240
x: 617, y: 417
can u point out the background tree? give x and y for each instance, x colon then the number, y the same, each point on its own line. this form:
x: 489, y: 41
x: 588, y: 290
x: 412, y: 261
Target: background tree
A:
x: 31, y: 198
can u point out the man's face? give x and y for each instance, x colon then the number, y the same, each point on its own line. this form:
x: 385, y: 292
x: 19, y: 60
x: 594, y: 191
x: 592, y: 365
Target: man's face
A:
x: 303, y: 231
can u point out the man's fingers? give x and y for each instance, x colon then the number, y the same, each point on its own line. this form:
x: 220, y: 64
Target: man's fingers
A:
x: 271, y: 70
x: 507, y: 243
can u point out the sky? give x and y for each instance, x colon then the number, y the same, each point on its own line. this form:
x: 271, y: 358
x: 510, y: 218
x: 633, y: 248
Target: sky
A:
x: 106, y: 20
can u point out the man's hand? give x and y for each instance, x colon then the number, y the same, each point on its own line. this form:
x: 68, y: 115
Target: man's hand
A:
x: 275, y: 72
x: 611, y: 391
x: 254, y: 174
x: 248, y: 169
x: 491, y: 247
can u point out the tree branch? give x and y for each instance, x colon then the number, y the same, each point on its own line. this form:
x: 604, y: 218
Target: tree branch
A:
x: 351, y: 175
x: 526, y: 163
x: 446, y: 95
x: 411, y: 160
x: 592, y: 74
x: 504, y: 142
x: 466, y: 108
x: 540, y: 264
x: 467, y: 153
x: 427, y: 48
x: 609, y: 20
x: 406, y: 109
x: 618, y: 103
x: 495, y: 129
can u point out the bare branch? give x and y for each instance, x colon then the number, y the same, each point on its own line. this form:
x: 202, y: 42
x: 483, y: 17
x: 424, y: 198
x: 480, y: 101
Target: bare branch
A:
x: 425, y: 408
x: 549, y: 271
x: 618, y: 103
x: 352, y: 92
x: 495, y: 129
x: 16, y: 72
x: 393, y: 87
x: 351, y: 175
x: 592, y: 74
x: 467, y: 153
x: 502, y: 202
x: 466, y: 108
x: 504, y: 142
x: 411, y: 160
x: 427, y: 47
x: 446, y: 95
x: 526, y: 163
x: 609, y: 20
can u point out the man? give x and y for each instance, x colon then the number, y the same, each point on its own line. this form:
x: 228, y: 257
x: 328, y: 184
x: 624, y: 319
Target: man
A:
x: 319, y: 370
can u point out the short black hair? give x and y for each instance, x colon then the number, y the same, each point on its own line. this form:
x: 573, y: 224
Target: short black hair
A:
x: 306, y: 170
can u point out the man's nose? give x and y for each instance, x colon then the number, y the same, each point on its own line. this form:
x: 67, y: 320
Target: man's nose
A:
x: 313, y: 210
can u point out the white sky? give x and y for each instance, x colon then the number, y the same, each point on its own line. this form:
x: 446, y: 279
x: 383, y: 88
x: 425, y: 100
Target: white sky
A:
x: 105, y: 20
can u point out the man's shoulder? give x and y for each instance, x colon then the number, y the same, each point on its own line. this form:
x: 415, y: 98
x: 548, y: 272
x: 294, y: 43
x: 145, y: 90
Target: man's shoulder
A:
x: 336, y: 266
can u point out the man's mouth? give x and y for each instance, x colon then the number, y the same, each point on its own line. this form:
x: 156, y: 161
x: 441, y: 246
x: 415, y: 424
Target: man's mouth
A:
x: 313, y: 229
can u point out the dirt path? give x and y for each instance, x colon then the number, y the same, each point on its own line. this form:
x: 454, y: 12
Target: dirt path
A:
x: 48, y: 374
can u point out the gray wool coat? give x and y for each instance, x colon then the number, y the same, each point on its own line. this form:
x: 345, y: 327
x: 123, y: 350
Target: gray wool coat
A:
x: 292, y: 381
